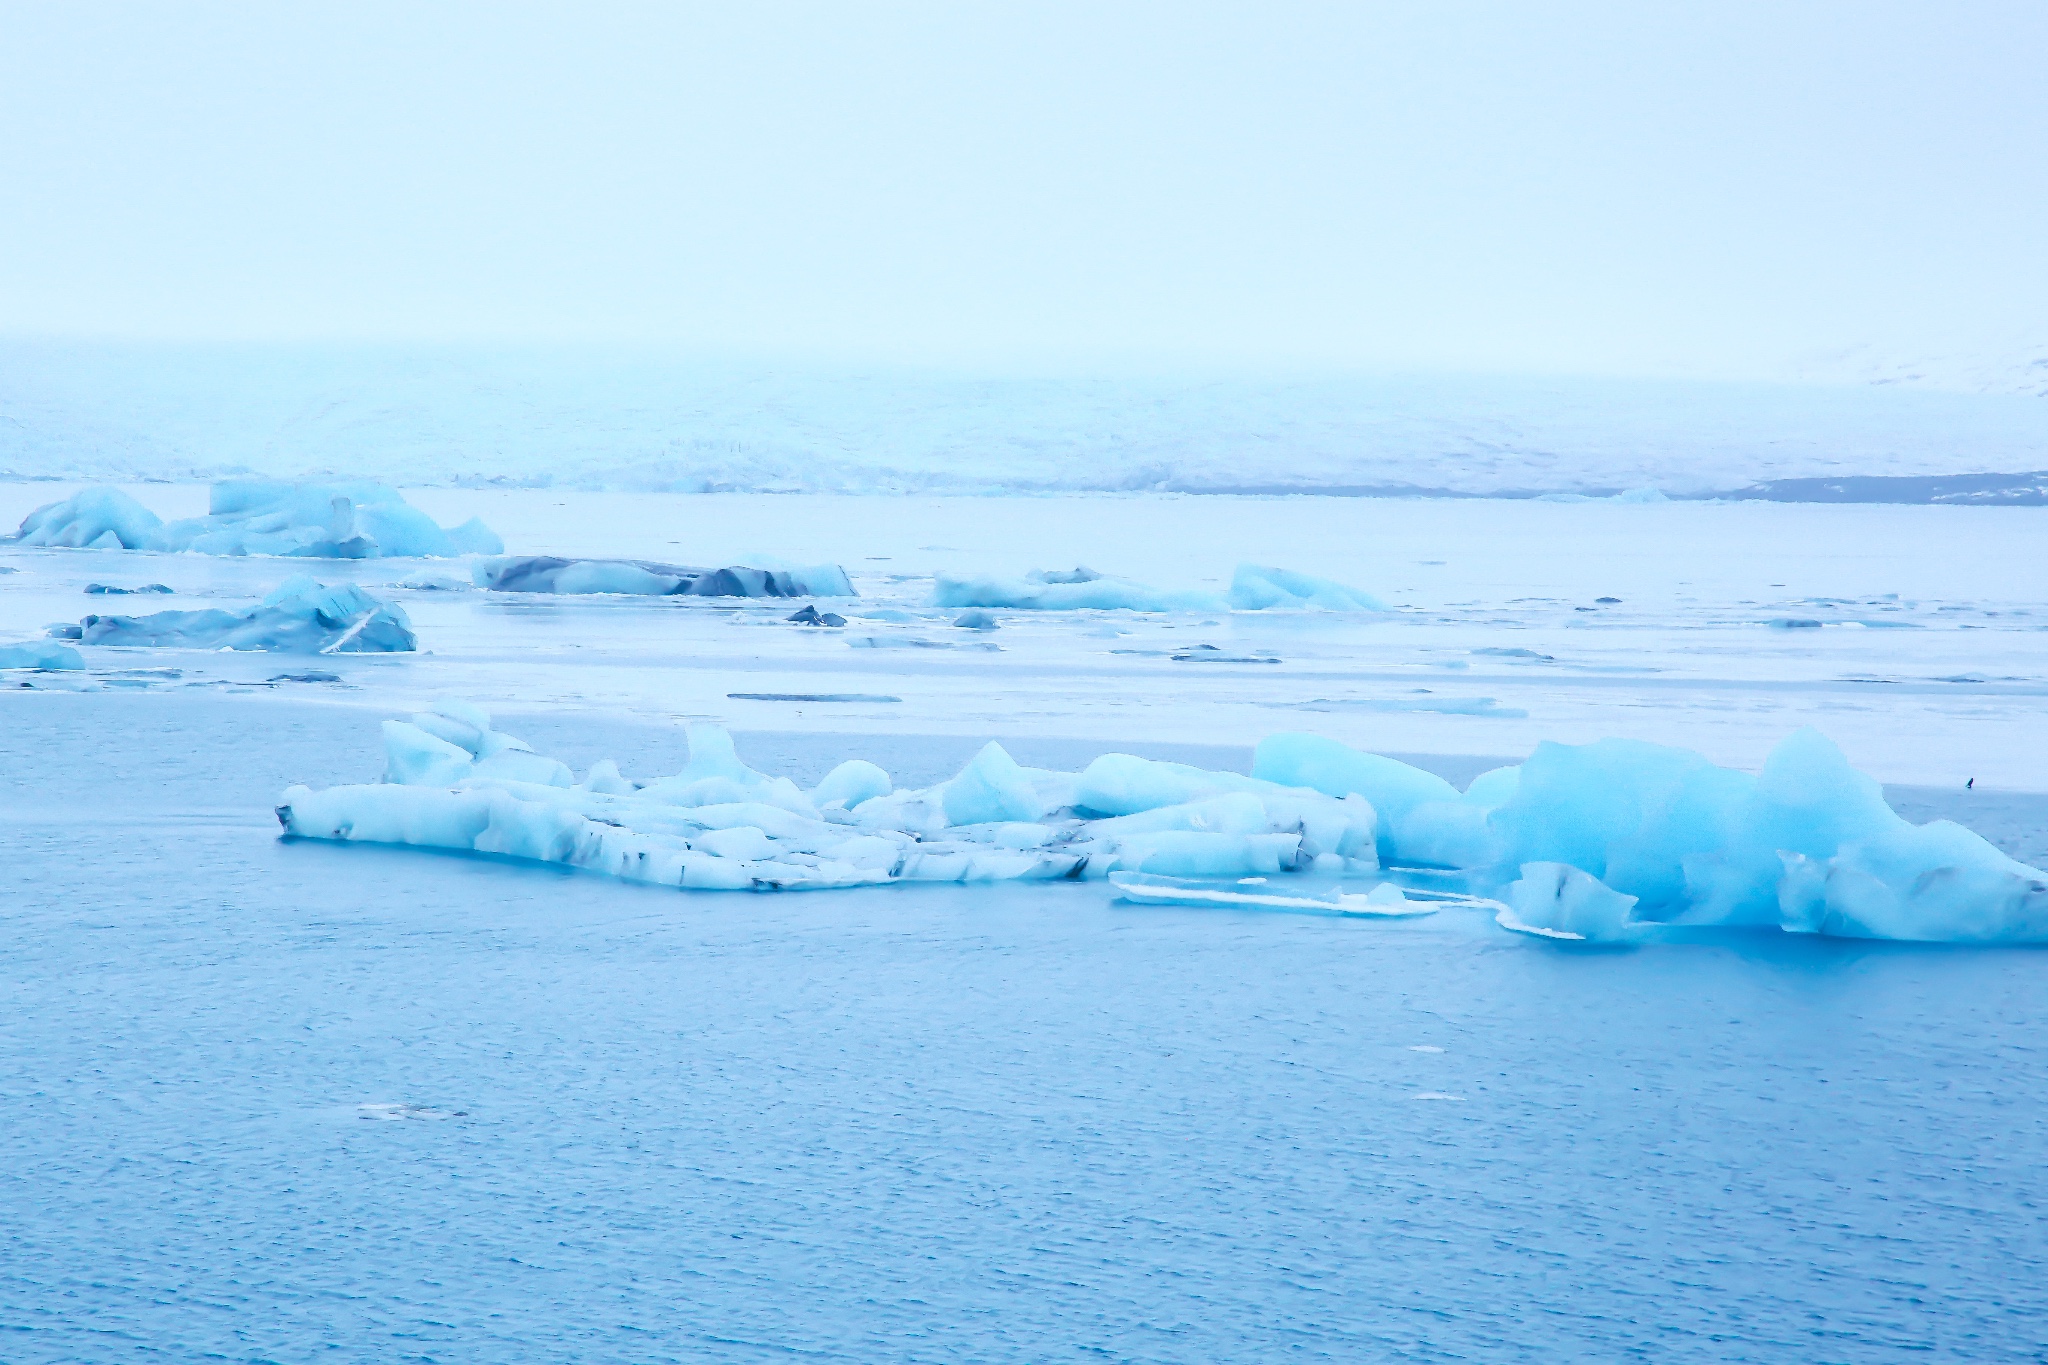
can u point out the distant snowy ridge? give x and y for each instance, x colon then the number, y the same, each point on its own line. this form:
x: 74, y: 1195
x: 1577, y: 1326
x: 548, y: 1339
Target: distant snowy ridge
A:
x: 641, y: 422
x: 2018, y: 368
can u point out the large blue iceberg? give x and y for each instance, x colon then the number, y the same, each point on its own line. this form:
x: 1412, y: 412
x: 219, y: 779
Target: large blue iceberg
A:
x: 1808, y: 845
x: 300, y: 617
x: 255, y: 517
x: 645, y: 578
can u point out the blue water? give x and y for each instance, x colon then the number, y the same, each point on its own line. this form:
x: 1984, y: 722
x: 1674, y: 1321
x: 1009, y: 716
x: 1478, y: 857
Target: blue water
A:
x: 1005, y: 1124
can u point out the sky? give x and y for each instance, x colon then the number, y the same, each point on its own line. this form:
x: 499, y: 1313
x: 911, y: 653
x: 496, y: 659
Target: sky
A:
x: 1679, y: 189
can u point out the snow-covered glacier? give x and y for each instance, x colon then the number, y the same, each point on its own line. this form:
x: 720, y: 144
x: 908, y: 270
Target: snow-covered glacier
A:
x: 254, y: 517
x: 1599, y: 841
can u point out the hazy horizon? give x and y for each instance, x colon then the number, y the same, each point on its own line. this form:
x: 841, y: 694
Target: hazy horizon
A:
x: 1594, y: 189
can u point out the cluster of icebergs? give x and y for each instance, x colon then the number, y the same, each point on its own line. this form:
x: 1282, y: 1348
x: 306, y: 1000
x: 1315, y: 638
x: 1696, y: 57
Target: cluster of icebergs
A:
x: 1596, y: 842
x: 299, y: 617
x: 1254, y: 587
x: 254, y: 517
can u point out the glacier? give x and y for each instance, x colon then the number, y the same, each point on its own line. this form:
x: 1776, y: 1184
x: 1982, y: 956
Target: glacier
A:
x: 300, y: 616
x: 356, y: 520
x: 646, y: 578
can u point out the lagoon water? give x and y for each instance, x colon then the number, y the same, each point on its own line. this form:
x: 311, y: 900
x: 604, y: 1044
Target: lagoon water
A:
x: 282, y: 1102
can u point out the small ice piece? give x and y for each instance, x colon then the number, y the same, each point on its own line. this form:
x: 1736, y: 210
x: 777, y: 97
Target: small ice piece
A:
x: 1099, y: 593
x: 992, y: 788
x: 851, y: 783
x: 1553, y: 900
x: 810, y: 616
x: 108, y: 589
x: 42, y: 654
x: 1257, y: 587
x: 646, y: 578
x: 976, y: 619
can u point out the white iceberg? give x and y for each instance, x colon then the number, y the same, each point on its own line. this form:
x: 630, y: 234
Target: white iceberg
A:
x: 645, y: 578
x: 299, y: 617
x: 452, y: 782
x: 255, y: 517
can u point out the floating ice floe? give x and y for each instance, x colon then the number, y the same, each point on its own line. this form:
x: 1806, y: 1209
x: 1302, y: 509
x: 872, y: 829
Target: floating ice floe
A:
x: 255, y: 517
x: 1043, y: 591
x: 644, y: 578
x: 300, y: 617
x: 42, y: 654
x: 452, y: 782
x: 1254, y: 588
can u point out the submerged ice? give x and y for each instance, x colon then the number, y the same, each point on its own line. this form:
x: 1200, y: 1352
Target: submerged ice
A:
x: 1597, y: 842
x: 299, y: 617
x: 254, y: 517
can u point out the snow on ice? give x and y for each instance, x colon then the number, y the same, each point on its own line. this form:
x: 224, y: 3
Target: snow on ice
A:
x: 254, y: 517
x: 1593, y: 842
x: 299, y: 617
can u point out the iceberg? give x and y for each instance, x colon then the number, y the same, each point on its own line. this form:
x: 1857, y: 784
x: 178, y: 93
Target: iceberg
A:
x: 453, y: 782
x: 645, y: 578
x: 1808, y: 845
x: 1255, y: 587
x: 42, y: 654
x: 1043, y: 591
x: 92, y: 518
x: 299, y: 617
x: 256, y: 517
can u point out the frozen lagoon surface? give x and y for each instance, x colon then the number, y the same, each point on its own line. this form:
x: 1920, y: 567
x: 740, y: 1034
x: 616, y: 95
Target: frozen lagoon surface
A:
x: 268, y: 1101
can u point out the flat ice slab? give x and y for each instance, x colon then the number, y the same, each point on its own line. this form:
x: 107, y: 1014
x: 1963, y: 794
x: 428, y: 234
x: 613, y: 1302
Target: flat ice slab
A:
x: 646, y: 578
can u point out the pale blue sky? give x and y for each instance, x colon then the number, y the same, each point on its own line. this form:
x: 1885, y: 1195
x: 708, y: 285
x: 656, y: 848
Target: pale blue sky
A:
x: 1669, y: 188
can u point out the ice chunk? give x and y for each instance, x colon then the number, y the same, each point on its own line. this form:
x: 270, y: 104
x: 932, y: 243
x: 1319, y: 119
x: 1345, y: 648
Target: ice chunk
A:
x: 1061, y: 594
x: 646, y: 578
x: 1553, y: 900
x: 87, y: 519
x: 851, y: 783
x: 415, y: 758
x: 992, y: 787
x: 300, y: 617
x: 1394, y: 788
x: 1255, y: 587
x: 1936, y: 882
x: 43, y: 654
